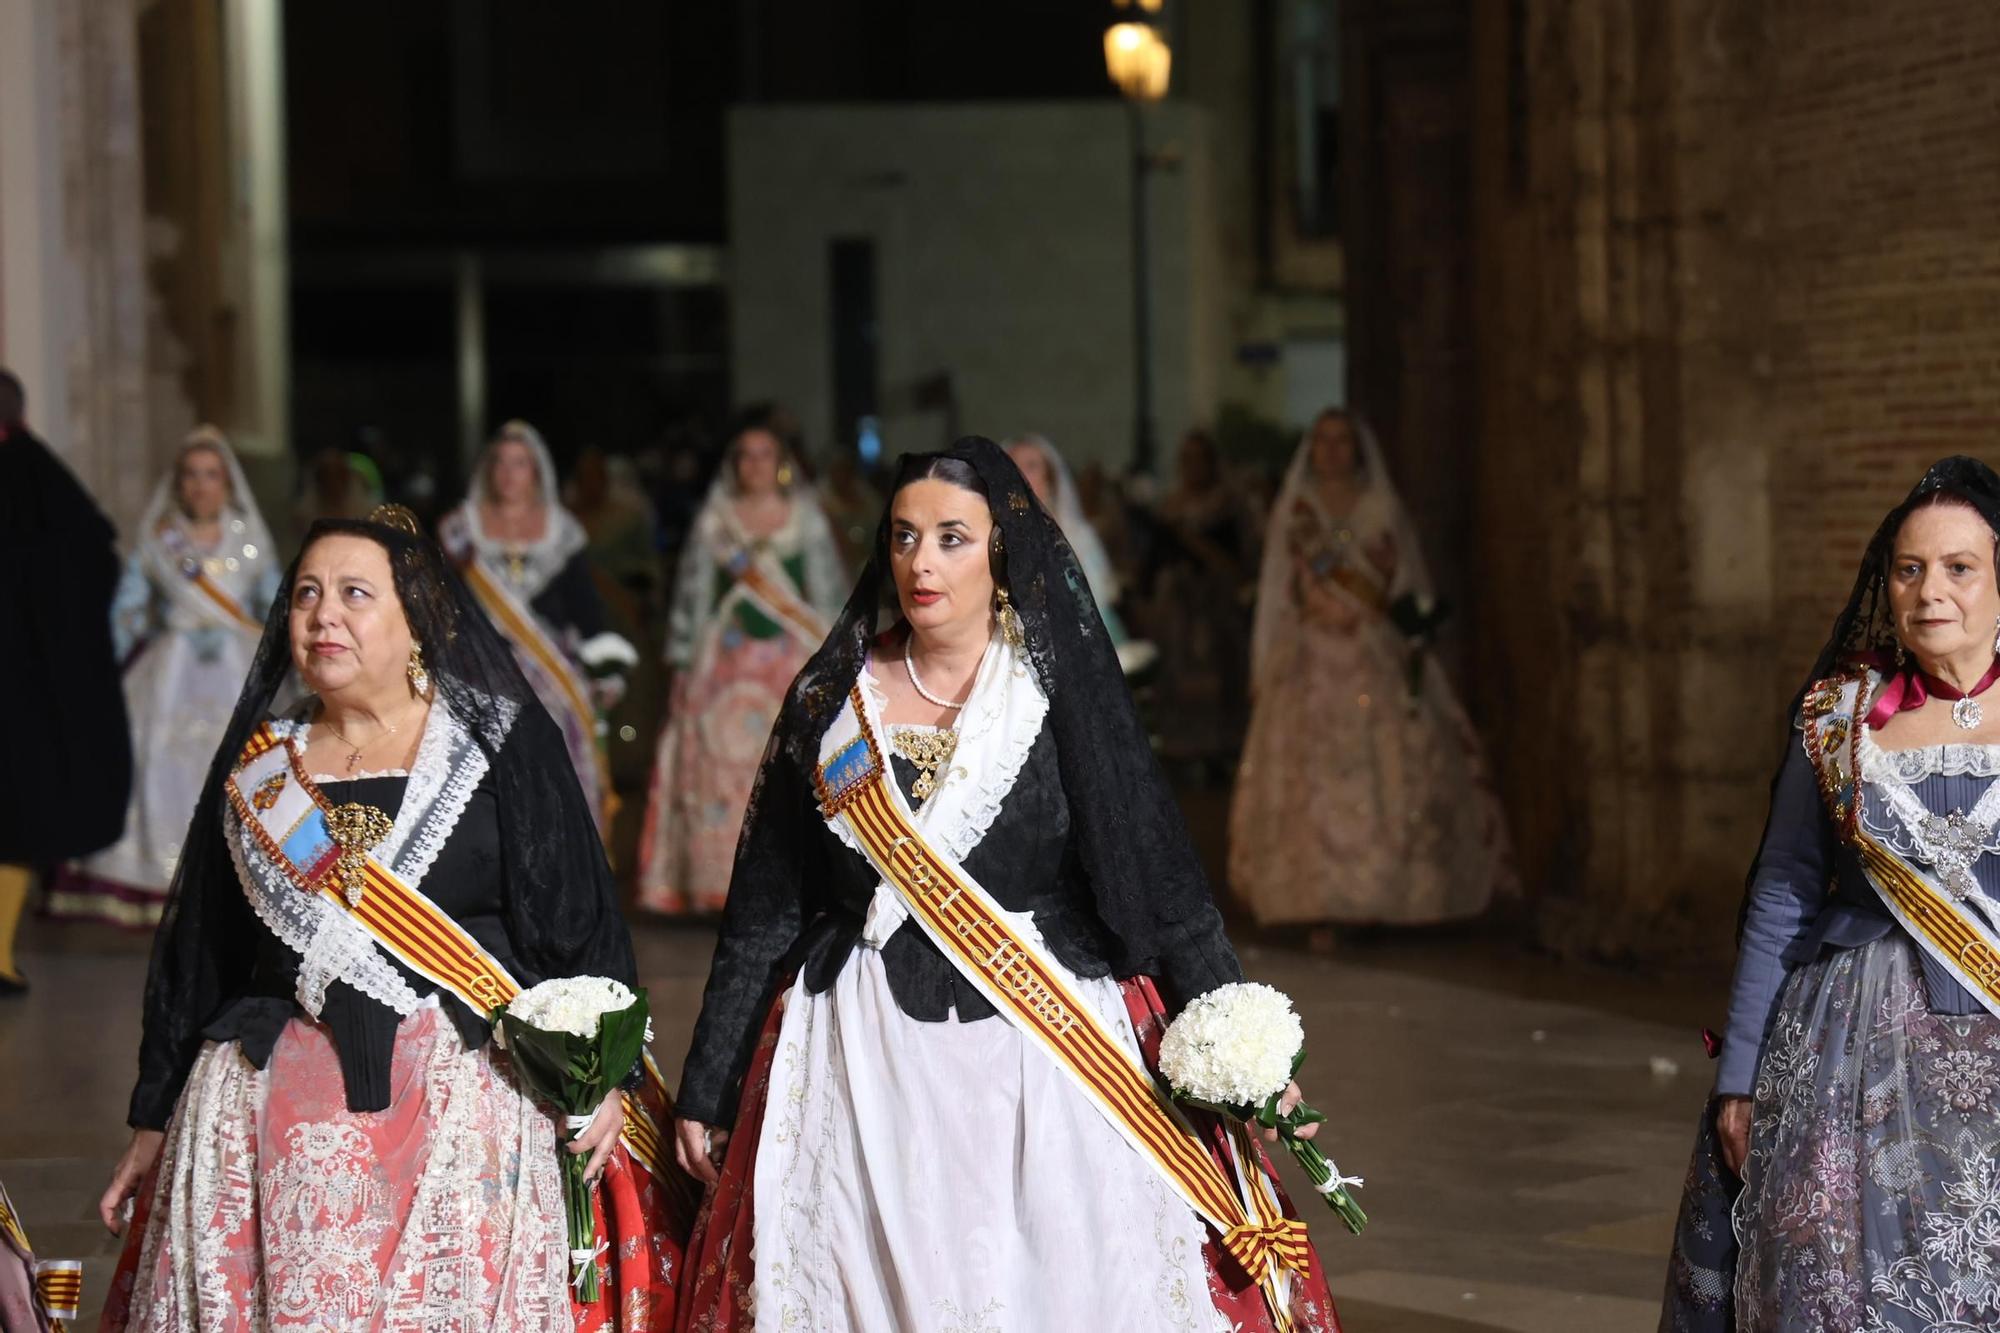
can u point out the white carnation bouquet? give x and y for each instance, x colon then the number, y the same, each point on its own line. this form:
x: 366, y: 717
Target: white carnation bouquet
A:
x: 1234, y: 1051
x: 572, y: 1041
x: 607, y: 658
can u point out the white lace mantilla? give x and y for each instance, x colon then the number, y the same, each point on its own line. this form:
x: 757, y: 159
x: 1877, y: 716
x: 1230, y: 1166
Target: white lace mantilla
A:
x: 331, y: 945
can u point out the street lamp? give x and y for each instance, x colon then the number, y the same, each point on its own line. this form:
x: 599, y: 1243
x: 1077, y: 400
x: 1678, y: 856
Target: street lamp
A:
x: 1139, y: 59
x: 1140, y: 62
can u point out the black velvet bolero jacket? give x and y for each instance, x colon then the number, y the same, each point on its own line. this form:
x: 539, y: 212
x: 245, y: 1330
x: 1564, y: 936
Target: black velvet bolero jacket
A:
x: 544, y: 907
x: 800, y: 909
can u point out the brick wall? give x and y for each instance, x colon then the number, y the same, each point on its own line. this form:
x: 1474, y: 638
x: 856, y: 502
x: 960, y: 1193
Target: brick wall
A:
x: 1884, y: 236
x: 1735, y: 285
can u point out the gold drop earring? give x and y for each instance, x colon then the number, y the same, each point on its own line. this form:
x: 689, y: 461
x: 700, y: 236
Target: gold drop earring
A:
x: 1010, y: 623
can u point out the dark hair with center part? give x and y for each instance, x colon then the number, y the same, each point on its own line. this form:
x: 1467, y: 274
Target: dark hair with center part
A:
x: 953, y: 472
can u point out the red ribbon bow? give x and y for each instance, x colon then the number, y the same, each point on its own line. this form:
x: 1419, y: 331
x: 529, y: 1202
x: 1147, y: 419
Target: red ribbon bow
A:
x: 1911, y: 687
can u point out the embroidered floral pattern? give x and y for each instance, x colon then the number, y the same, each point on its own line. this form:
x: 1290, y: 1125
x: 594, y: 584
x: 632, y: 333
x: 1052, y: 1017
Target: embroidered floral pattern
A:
x: 279, y: 1209
x: 1871, y: 1195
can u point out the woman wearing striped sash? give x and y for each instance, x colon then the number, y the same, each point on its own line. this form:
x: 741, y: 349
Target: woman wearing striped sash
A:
x: 189, y: 612
x: 894, y: 1143
x: 1848, y: 1170
x: 756, y: 583
x: 523, y: 556
x: 323, y: 1135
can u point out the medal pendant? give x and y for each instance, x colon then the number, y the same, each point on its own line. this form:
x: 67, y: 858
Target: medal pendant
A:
x: 1967, y: 714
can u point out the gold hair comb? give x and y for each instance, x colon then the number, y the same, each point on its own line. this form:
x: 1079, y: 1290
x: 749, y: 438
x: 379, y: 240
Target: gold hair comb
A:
x: 397, y: 517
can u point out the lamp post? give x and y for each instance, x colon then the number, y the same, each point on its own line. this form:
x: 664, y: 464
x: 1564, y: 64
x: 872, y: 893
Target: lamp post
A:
x: 1140, y: 62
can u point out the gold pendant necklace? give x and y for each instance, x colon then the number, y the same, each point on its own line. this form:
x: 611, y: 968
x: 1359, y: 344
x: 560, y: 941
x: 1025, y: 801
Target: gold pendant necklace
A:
x: 929, y: 751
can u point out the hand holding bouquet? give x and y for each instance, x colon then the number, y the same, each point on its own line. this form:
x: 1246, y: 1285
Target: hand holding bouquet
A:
x: 608, y: 658
x: 572, y: 1041
x: 1234, y: 1051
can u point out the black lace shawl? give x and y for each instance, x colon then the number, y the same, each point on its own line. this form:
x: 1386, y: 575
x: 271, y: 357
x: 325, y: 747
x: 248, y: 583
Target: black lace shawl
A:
x: 561, y: 903
x: 1126, y: 830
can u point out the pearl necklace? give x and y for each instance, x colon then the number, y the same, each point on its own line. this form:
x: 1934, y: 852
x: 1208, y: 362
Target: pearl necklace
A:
x: 910, y: 666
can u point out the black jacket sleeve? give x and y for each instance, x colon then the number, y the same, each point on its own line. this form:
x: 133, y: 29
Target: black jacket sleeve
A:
x: 572, y: 601
x: 763, y: 920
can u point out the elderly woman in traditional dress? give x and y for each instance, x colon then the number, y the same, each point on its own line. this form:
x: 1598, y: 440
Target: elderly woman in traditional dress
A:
x: 1858, y: 1087
x: 910, y: 1132
x: 387, y: 845
x: 186, y: 621
x: 757, y: 581
x: 522, y: 554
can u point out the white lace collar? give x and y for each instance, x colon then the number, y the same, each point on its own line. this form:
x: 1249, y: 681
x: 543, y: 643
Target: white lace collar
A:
x: 525, y: 567
x: 448, y: 767
x: 996, y: 731
x: 1951, y: 760
x: 727, y: 535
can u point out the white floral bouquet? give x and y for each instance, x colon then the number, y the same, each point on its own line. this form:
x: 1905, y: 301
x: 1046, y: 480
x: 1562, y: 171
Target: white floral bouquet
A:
x: 1234, y: 1051
x: 572, y: 1042
x: 607, y: 658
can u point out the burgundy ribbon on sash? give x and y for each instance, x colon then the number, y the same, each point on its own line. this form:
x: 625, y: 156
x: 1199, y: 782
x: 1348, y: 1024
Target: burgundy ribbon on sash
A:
x: 1911, y: 687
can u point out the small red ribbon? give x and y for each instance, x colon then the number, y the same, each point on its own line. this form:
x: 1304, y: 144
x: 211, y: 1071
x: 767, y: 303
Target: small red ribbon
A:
x: 1911, y: 687
x: 1251, y: 1244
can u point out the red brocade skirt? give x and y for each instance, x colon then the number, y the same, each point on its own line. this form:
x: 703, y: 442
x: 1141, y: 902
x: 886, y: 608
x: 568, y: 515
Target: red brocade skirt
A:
x: 717, y: 1287
x: 273, y: 1206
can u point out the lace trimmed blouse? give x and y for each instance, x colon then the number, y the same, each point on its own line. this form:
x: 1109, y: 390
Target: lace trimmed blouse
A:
x: 1809, y: 893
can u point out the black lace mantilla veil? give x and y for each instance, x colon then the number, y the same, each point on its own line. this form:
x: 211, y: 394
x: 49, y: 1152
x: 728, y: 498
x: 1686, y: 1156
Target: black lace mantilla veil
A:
x: 1126, y: 827
x: 202, y: 952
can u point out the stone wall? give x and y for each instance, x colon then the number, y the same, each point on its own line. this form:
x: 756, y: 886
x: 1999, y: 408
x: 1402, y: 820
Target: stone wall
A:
x: 1003, y: 240
x: 73, y: 313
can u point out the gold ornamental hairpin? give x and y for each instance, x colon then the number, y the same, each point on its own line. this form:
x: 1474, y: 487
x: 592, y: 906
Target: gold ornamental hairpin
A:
x: 396, y: 516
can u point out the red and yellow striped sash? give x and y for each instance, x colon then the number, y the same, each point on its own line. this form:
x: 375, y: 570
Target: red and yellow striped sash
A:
x: 10, y: 1225
x: 778, y: 597
x: 59, y: 1288
x: 1286, y: 1237
x: 422, y: 936
x: 229, y: 605
x: 1933, y: 919
x: 1031, y: 991
x: 260, y: 740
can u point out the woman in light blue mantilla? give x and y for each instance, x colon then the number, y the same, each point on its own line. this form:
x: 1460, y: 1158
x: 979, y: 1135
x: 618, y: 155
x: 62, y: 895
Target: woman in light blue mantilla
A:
x: 1858, y: 1092
x: 189, y: 612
